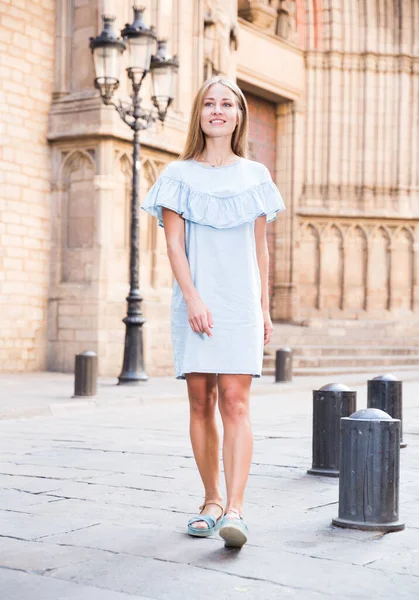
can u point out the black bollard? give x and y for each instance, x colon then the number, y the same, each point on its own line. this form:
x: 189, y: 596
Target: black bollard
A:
x: 283, y: 364
x: 385, y: 393
x: 85, y: 374
x: 369, y: 472
x: 330, y: 404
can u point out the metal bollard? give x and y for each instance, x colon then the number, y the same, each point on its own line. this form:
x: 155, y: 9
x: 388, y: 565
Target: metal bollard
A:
x: 85, y: 374
x: 283, y: 364
x: 369, y: 472
x: 330, y: 404
x: 385, y: 393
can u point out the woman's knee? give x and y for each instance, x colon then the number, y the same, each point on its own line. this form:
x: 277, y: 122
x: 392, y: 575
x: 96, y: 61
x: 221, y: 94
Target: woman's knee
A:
x: 234, y: 404
x: 202, y: 398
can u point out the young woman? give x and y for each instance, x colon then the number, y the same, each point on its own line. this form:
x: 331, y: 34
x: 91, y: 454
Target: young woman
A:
x: 214, y: 205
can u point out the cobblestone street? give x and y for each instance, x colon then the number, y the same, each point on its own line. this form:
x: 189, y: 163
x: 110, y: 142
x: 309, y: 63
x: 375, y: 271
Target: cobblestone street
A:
x: 95, y: 504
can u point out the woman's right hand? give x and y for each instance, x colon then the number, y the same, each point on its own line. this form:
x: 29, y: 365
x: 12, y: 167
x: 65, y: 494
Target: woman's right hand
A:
x: 199, y: 317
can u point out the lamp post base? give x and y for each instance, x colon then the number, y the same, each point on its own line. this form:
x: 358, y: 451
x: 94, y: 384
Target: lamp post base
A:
x: 133, y: 366
x: 132, y: 378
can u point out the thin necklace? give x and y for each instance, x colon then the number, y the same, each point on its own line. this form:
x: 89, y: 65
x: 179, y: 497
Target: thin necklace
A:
x: 222, y: 161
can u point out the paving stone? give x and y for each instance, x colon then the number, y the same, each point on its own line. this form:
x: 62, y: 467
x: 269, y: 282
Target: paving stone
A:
x: 34, y: 485
x: 39, y: 556
x: 119, y: 514
x: 15, y: 585
x: 405, y: 563
x: 20, y: 500
x: 46, y: 471
x: 28, y: 527
x: 107, y: 496
x: 164, y: 580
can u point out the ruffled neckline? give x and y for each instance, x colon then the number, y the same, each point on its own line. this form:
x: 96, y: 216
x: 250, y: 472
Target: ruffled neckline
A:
x: 213, y: 211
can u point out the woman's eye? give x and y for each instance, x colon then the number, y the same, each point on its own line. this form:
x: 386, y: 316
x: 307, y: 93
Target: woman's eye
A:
x: 227, y: 104
x: 208, y: 103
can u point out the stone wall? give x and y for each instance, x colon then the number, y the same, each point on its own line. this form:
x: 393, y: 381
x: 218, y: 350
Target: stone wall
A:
x: 92, y: 172
x: 27, y: 30
x: 356, y: 248
x: 337, y: 103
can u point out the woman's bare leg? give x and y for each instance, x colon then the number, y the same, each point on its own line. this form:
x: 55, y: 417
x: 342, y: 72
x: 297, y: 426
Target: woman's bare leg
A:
x: 233, y: 399
x: 202, y: 391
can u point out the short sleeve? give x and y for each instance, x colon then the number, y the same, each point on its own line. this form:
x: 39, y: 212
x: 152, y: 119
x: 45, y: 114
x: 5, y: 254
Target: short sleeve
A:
x: 165, y: 193
x: 271, y: 197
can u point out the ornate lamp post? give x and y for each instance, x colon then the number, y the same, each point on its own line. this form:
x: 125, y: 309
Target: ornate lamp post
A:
x: 107, y: 49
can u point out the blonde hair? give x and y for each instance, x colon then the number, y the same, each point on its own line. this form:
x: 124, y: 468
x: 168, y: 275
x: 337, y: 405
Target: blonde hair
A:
x: 195, y: 141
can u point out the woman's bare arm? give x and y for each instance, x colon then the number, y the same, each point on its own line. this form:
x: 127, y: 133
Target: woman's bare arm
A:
x: 262, y: 254
x: 199, y: 317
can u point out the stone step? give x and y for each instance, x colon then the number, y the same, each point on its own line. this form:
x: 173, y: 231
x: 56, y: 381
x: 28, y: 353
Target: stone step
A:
x: 334, y: 345
x: 316, y: 350
x: 326, y: 371
x: 346, y: 332
x: 407, y: 326
x: 301, y: 362
x: 325, y: 340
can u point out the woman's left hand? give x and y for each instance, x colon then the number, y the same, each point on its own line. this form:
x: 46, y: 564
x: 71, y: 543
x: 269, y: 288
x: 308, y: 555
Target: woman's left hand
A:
x: 267, y: 326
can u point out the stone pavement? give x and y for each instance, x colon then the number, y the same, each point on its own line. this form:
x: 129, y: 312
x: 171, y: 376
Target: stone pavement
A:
x: 94, y: 502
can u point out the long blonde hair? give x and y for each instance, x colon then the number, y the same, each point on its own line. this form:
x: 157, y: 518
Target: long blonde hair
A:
x: 195, y: 141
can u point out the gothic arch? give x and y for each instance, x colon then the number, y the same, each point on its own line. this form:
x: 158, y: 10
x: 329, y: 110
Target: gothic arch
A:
x: 71, y: 162
x: 126, y: 160
x: 331, y: 228
x: 77, y: 211
x: 406, y: 230
x: 150, y: 174
x: 361, y: 229
x: 150, y: 170
x: 379, y: 276
x: 356, y: 268
x: 402, y: 262
x: 120, y: 209
x: 332, y: 267
x: 309, y: 284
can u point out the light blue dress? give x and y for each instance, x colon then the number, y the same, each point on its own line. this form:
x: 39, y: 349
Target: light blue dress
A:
x: 220, y: 206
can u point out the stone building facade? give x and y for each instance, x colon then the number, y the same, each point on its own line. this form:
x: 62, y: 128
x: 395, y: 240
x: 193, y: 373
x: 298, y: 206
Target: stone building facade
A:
x: 333, y: 91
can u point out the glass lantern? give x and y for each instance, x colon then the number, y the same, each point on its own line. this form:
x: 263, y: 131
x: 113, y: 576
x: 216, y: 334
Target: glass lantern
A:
x: 163, y: 71
x: 107, y: 50
x: 141, y: 41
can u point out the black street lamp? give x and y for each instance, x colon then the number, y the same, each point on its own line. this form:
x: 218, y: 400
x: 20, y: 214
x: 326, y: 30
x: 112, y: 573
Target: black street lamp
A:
x: 107, y: 50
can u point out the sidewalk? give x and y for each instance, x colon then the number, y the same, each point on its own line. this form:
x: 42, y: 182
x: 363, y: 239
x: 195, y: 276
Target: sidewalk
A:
x: 36, y: 394
x: 94, y: 503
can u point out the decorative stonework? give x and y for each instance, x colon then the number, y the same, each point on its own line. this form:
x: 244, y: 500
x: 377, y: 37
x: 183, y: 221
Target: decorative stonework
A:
x: 78, y: 231
x: 262, y: 13
x: 220, y: 39
x: 351, y: 268
x: 286, y: 27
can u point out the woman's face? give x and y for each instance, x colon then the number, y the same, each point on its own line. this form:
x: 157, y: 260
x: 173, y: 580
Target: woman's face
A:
x: 219, y: 114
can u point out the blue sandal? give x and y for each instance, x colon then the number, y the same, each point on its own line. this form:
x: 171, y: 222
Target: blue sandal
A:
x: 213, y: 524
x: 234, y: 530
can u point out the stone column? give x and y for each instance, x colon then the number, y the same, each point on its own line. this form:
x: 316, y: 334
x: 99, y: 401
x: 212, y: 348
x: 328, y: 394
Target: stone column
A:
x: 290, y: 140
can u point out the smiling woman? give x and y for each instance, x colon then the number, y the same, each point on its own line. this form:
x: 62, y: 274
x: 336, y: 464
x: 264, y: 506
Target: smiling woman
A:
x: 214, y: 204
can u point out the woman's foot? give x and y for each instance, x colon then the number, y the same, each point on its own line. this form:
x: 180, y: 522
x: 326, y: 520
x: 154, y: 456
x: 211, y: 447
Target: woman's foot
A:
x: 213, y: 512
x: 233, y: 529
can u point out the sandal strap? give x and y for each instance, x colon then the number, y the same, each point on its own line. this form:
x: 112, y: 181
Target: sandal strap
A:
x: 209, y: 520
x: 212, y: 502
